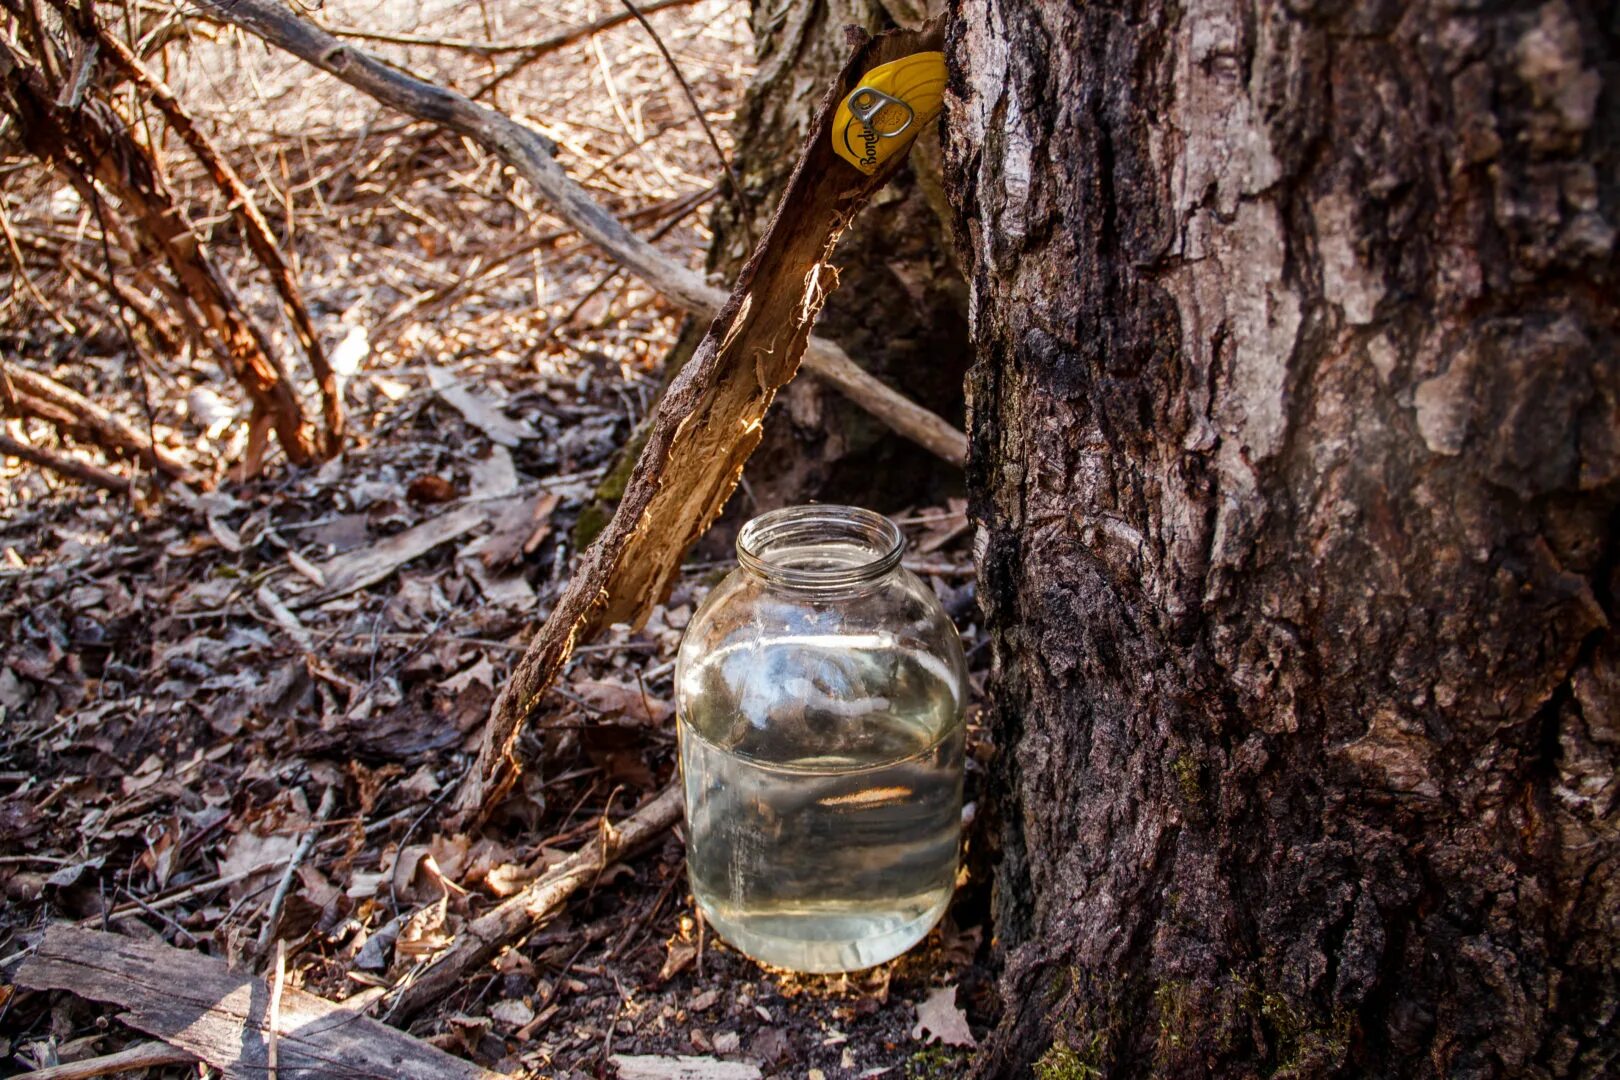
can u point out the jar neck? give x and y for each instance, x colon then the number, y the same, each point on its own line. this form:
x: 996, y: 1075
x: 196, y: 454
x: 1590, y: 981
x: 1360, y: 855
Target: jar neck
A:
x: 820, y: 549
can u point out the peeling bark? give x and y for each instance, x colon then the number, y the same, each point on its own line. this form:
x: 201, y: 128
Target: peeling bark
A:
x: 1296, y: 449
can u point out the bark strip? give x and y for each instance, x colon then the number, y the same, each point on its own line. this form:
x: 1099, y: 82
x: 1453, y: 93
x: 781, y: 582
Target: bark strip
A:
x: 524, y: 150
x: 707, y: 423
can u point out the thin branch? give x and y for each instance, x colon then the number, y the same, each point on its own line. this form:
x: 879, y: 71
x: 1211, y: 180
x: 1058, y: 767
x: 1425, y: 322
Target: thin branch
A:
x: 82, y: 471
x: 30, y: 392
x: 273, y: 915
x: 149, y: 1055
x: 536, y: 47
x: 480, y: 940
x: 525, y: 151
x: 743, y: 214
x: 20, y: 278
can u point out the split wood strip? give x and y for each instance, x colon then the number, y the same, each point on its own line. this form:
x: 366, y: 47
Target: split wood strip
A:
x: 150, y: 1055
x: 527, y: 152
x: 191, y: 1001
x: 707, y: 423
x: 481, y: 940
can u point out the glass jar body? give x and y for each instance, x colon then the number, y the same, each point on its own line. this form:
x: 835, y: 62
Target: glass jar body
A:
x: 821, y: 746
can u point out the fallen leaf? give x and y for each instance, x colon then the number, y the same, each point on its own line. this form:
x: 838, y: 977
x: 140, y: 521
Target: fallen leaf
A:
x: 430, y: 489
x: 511, y: 1013
x: 623, y: 699
x: 939, y: 1018
x: 678, y: 959
x: 248, y: 850
x: 494, y: 476
x: 479, y: 409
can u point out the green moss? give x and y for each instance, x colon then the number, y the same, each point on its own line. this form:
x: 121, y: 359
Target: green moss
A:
x: 1188, y: 778
x: 1170, y: 1002
x: 934, y: 1063
x: 1063, y: 1062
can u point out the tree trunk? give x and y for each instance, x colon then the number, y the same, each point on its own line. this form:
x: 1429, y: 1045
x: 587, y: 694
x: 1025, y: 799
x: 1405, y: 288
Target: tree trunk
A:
x: 1296, y: 450
x: 900, y: 307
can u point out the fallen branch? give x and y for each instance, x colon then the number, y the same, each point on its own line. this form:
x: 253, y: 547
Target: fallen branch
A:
x: 27, y: 391
x: 82, y: 471
x: 193, y: 1002
x: 526, y: 152
x: 479, y: 942
x: 151, y: 1055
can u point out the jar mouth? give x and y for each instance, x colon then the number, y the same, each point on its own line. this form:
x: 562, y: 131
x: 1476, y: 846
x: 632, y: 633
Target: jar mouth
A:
x: 820, y: 546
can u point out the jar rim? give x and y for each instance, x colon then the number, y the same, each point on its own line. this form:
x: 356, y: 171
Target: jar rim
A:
x: 766, y: 543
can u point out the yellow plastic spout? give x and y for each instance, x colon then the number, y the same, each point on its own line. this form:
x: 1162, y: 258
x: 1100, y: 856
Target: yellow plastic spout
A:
x: 888, y: 108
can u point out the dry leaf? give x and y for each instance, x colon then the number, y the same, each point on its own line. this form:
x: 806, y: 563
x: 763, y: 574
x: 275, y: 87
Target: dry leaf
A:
x: 622, y: 699
x: 511, y: 1013
x: 939, y: 1018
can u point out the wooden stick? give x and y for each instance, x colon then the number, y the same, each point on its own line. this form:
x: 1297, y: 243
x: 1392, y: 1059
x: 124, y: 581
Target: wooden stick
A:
x: 19, y: 384
x: 193, y: 1002
x: 148, y: 1055
x: 525, y: 151
x: 485, y: 936
x: 273, y: 914
x: 82, y: 471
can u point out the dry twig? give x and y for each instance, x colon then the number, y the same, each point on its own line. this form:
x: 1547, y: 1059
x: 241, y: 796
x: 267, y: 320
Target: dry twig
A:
x: 148, y: 1055
x: 254, y: 227
x: 25, y: 391
x: 485, y: 936
x: 272, y: 915
x: 82, y: 471
x: 743, y: 201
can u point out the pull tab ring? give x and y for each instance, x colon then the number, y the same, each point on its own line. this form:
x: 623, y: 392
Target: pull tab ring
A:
x: 866, y: 103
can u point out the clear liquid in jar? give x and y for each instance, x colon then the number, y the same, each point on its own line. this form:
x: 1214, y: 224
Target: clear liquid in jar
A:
x: 824, y: 796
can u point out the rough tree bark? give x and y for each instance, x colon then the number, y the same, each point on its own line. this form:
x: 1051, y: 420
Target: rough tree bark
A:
x: 1296, y: 448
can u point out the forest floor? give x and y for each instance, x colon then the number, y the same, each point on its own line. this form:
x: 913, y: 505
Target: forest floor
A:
x: 185, y: 674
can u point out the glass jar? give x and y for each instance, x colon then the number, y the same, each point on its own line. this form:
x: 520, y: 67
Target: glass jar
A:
x: 820, y: 692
